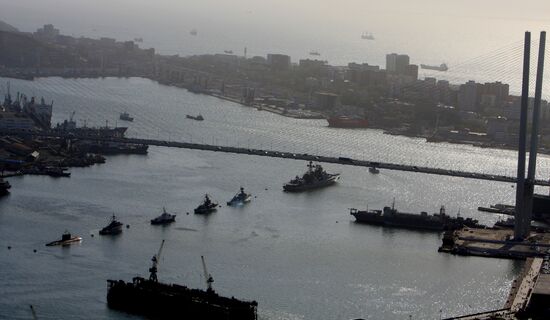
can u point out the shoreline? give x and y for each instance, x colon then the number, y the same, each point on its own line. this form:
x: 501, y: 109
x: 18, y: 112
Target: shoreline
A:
x: 277, y: 111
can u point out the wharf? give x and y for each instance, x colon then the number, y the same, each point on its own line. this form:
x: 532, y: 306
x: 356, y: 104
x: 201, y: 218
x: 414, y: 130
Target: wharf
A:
x: 528, y: 297
x: 495, y: 243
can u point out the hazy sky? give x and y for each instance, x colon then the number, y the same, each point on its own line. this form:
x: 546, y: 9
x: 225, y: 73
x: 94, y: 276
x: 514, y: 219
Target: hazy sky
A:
x: 429, y: 30
x: 393, y: 14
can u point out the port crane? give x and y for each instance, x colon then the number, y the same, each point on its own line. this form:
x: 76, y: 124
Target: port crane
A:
x: 207, y: 277
x: 155, y: 259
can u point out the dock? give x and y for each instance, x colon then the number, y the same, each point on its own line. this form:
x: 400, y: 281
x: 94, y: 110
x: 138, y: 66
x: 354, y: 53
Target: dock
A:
x: 495, y: 243
x: 528, y: 297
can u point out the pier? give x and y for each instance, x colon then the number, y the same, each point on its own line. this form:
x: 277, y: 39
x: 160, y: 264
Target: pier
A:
x: 528, y: 295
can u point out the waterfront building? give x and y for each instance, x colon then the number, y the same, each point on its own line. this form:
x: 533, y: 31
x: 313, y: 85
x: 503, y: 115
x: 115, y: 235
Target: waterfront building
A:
x: 15, y: 121
x: 278, y: 62
x: 48, y: 32
x: 325, y: 101
x: 468, y: 96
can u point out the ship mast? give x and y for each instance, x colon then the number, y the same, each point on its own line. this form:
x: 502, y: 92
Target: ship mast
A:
x: 207, y: 277
x: 155, y: 259
x: 34, y: 316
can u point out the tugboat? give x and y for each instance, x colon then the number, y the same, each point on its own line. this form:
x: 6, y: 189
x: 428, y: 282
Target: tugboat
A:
x: 164, y: 218
x: 206, y: 207
x: 198, y: 118
x: 113, y: 228
x: 4, y: 186
x: 240, y: 198
x: 315, y: 177
x: 66, y: 239
x: 152, y: 298
x: 126, y: 117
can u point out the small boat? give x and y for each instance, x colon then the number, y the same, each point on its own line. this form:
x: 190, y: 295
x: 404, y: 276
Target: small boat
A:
x: 228, y: 51
x: 207, y: 206
x: 66, y: 239
x: 56, y: 172
x: 193, y: 32
x: 374, y: 170
x: 4, y: 186
x: 113, y: 228
x: 314, y: 53
x: 126, y: 117
x: 164, y: 218
x: 240, y: 198
x: 367, y: 36
x: 198, y: 118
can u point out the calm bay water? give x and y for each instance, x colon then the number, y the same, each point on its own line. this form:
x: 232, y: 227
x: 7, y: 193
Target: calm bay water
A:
x: 300, y: 256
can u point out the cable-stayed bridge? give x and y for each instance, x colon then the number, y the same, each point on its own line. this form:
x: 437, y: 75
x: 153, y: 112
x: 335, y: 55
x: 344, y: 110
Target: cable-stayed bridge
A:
x: 160, y: 120
x: 298, y: 156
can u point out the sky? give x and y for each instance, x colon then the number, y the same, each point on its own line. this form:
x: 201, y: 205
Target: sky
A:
x: 431, y: 31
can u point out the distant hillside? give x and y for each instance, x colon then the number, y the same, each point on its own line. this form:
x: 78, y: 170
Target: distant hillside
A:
x: 22, y: 51
x: 6, y: 27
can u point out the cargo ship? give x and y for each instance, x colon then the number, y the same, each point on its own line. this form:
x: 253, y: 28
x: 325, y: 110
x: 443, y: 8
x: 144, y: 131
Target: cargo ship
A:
x: 390, y: 217
x: 315, y: 177
x: 347, y: 122
x: 157, y: 300
x: 441, y: 67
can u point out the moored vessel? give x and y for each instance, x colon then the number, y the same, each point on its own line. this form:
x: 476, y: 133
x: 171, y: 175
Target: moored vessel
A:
x: 240, y: 198
x: 374, y: 170
x: 66, y: 239
x: 367, y: 36
x: 207, y: 206
x: 441, y: 67
x: 198, y: 117
x: 126, y: 117
x: 113, y: 228
x: 315, y: 177
x: 164, y: 218
x: 347, y: 122
x: 390, y: 217
x: 155, y: 299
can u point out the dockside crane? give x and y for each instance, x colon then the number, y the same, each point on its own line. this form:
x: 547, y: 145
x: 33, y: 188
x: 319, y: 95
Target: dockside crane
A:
x: 207, y: 277
x: 155, y: 259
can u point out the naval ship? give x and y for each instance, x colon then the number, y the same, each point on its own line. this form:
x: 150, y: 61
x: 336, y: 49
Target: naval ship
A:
x: 315, y: 177
x: 390, y: 217
x: 158, y: 300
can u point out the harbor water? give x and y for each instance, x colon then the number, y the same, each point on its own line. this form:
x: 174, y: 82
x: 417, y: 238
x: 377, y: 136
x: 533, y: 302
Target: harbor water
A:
x: 300, y: 256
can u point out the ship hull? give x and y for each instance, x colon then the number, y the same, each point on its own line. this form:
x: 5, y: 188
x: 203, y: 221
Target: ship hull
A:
x: 347, y: 123
x: 164, y: 301
x: 413, y: 221
x: 304, y: 187
x: 202, y: 209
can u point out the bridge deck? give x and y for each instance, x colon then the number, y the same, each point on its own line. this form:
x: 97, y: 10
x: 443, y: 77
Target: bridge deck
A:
x: 304, y: 156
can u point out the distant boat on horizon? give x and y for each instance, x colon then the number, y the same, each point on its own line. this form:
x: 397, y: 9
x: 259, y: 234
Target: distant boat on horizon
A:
x: 441, y: 67
x: 314, y: 53
x: 193, y: 32
x: 367, y: 36
x: 228, y: 51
